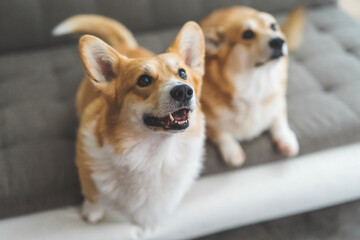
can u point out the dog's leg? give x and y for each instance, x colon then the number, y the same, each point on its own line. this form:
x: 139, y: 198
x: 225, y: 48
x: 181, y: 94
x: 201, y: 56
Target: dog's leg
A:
x: 284, y: 138
x: 230, y: 149
x: 92, y: 212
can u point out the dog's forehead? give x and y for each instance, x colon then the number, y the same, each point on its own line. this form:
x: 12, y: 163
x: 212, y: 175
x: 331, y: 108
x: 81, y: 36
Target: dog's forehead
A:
x: 169, y: 60
x: 150, y: 65
x: 172, y: 63
x: 266, y: 18
x: 160, y: 64
x: 251, y: 24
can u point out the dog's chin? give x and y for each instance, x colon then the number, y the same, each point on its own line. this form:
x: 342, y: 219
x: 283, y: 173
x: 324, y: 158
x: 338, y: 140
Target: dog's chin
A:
x: 275, y: 55
x: 177, y: 121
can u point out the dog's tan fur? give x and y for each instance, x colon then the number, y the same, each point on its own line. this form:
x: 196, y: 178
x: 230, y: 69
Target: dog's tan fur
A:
x: 110, y: 134
x: 236, y: 108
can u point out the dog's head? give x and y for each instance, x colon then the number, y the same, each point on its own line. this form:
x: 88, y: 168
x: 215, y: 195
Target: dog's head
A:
x: 159, y: 93
x: 251, y: 38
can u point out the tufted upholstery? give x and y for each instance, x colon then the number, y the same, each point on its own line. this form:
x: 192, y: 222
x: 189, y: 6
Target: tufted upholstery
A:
x: 27, y: 23
x: 37, y: 88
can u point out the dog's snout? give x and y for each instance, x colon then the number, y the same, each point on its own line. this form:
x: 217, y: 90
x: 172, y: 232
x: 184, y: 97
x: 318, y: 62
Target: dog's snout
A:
x: 182, y: 93
x: 276, y: 43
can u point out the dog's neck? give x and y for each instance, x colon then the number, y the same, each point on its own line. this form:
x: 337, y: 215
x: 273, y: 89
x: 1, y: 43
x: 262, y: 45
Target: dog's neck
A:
x: 257, y: 83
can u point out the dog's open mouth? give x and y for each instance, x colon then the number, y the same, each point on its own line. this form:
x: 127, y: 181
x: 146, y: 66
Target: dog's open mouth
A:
x: 177, y: 120
x: 275, y: 55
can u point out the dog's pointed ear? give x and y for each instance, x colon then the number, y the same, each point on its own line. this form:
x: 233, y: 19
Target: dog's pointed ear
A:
x: 101, y: 62
x: 190, y: 45
x: 214, y: 39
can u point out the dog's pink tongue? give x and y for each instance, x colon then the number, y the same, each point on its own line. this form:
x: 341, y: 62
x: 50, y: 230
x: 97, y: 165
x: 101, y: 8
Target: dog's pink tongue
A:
x: 180, y: 115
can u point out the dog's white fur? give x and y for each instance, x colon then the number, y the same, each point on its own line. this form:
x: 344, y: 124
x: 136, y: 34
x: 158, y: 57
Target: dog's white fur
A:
x: 252, y: 117
x: 160, y: 168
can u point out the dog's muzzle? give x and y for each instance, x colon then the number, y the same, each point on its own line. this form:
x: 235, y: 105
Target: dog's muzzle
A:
x: 178, y: 118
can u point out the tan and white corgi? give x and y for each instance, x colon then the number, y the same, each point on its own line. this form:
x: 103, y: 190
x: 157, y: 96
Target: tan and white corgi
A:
x: 141, y: 136
x: 245, y: 79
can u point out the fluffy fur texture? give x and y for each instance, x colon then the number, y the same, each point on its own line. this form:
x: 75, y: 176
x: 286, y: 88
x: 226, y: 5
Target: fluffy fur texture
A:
x: 245, y: 79
x: 140, y: 167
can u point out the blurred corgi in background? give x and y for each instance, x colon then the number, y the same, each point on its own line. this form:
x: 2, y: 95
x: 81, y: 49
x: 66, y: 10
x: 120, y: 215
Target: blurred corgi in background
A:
x: 141, y: 136
x: 245, y: 78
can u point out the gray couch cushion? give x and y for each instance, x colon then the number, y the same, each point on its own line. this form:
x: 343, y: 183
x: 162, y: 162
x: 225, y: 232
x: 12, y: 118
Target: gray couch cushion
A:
x: 38, y: 122
x: 28, y: 23
x: 38, y: 127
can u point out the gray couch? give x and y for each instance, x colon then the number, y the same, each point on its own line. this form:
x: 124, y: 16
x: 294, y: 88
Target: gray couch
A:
x: 39, y: 76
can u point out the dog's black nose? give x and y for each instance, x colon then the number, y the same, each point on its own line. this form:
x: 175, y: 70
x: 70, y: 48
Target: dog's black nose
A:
x: 182, y: 93
x: 276, y: 43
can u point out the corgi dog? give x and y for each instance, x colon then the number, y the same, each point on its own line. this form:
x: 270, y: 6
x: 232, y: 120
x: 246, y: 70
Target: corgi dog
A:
x: 245, y: 79
x: 141, y: 135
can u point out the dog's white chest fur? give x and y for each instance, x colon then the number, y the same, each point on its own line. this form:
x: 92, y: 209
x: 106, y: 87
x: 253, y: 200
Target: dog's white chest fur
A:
x: 252, y: 113
x: 149, y: 179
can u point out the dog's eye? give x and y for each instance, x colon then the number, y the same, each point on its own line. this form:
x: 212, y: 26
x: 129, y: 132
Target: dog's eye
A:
x: 273, y: 26
x: 248, y: 34
x: 182, y: 74
x: 144, y: 80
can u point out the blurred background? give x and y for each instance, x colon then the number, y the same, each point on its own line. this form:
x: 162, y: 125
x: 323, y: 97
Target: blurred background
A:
x: 39, y: 76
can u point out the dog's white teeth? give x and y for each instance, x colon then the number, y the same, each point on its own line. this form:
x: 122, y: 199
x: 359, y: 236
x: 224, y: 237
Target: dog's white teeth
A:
x: 175, y: 121
x: 171, y: 117
x: 182, y: 122
x: 187, y: 115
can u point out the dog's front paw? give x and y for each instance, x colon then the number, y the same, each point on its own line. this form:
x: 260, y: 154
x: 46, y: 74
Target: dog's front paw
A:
x: 232, y: 153
x: 92, y: 213
x: 287, y: 143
